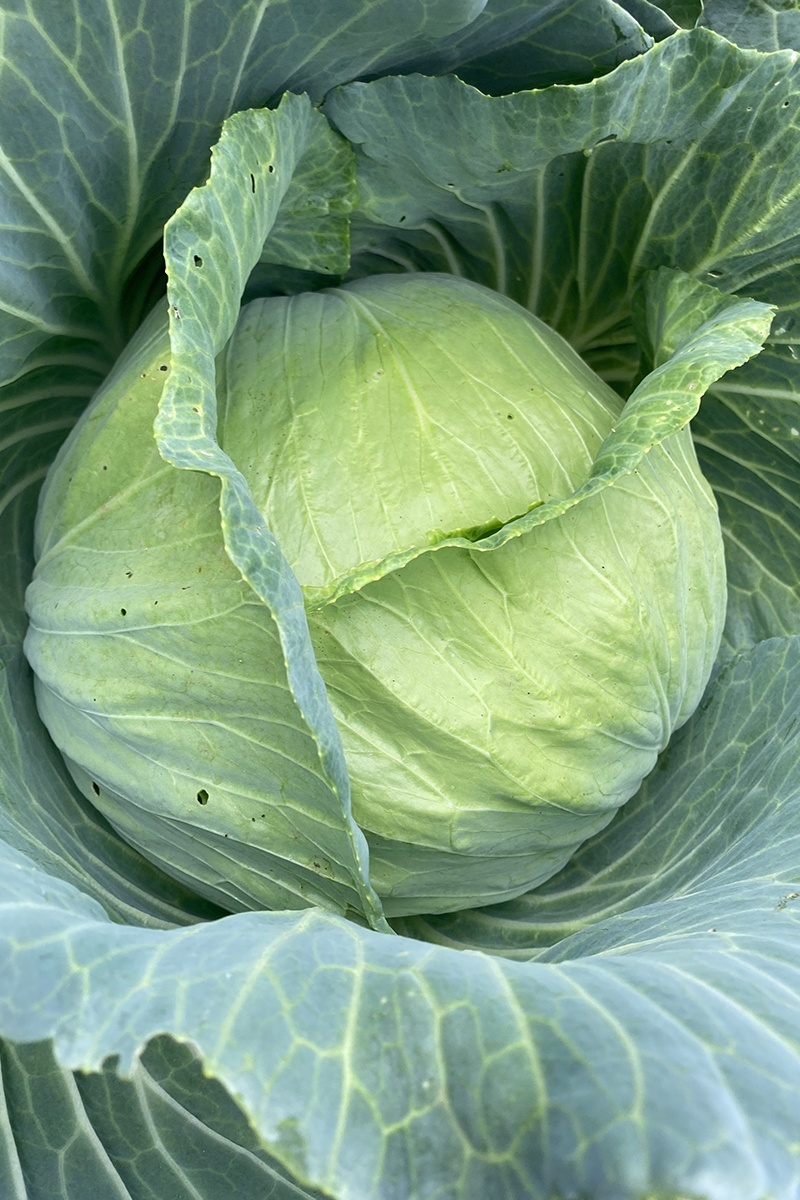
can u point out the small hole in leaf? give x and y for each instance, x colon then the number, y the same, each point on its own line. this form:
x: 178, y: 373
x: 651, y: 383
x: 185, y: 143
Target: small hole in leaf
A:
x: 198, y: 262
x: 253, y: 184
x: 124, y: 612
x: 202, y: 796
x: 95, y: 788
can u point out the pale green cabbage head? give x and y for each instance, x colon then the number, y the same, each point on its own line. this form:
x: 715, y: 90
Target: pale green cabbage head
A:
x: 505, y: 655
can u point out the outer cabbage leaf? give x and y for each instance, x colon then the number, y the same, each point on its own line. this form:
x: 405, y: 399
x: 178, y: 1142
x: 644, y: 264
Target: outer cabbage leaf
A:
x: 770, y: 25
x: 748, y: 441
x: 513, y: 45
x: 72, y: 1134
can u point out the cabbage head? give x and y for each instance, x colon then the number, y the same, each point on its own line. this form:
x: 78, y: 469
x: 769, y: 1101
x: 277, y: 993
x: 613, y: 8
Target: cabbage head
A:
x: 502, y: 682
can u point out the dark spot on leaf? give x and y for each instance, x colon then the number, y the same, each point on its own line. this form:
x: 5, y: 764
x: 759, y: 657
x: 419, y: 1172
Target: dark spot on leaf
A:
x: 511, y: 416
x: 105, y: 468
x: 271, y: 169
x: 253, y: 184
x: 129, y: 574
x: 198, y: 262
x: 124, y: 612
x: 163, y: 367
x: 400, y: 220
x: 95, y: 788
x: 202, y: 796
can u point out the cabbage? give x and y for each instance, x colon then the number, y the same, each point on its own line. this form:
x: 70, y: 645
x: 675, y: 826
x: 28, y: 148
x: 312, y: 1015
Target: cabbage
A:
x: 399, y: 606
x: 498, y: 694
